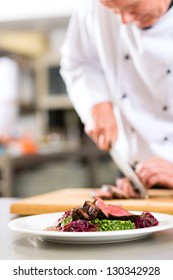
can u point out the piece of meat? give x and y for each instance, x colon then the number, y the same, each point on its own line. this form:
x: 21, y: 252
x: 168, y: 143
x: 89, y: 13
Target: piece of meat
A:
x: 115, y: 191
x: 97, y: 209
x: 102, y: 206
x: 122, y: 190
x: 125, y: 185
x: 119, y: 213
x: 91, y: 209
x: 79, y: 214
x: 102, y: 193
x: 108, y: 192
x: 114, y: 212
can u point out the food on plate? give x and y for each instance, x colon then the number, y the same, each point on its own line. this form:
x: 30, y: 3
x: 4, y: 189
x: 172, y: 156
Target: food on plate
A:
x: 98, y: 216
x: 122, y: 189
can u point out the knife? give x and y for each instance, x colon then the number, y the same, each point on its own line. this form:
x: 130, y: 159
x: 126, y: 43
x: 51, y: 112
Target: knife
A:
x: 127, y: 170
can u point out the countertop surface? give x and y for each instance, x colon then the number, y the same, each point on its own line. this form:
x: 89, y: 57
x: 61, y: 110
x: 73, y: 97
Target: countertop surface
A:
x: 17, y: 246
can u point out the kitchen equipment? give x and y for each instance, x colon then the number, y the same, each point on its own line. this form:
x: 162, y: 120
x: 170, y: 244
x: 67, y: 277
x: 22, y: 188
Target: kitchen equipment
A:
x: 128, y: 172
x: 159, y: 200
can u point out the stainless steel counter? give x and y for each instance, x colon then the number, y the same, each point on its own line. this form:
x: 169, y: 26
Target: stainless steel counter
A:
x: 16, y: 246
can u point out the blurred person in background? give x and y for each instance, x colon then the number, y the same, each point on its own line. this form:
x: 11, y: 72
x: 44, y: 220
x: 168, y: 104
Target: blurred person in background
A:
x: 119, y: 54
x: 13, y: 137
x: 9, y: 79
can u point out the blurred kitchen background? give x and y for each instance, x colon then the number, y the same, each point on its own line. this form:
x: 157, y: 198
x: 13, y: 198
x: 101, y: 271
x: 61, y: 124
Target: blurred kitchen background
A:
x: 48, y: 148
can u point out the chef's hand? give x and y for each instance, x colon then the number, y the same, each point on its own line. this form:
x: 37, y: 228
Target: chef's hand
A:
x: 155, y: 171
x: 102, y: 127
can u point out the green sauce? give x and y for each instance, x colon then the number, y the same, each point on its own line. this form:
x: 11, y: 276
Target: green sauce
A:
x: 112, y: 225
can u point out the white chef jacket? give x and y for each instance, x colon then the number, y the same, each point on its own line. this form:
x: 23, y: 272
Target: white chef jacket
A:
x: 9, y: 76
x: 105, y: 60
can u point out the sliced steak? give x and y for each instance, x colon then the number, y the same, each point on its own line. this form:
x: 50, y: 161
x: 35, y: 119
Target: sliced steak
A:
x: 103, y: 207
x: 122, y: 190
x: 98, y: 209
x: 93, y: 210
x: 126, y: 187
x: 79, y: 214
x: 119, y: 213
x: 114, y: 212
x: 102, y: 194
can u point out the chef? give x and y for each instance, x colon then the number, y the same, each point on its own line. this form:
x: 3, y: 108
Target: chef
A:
x: 9, y: 78
x: 117, y: 62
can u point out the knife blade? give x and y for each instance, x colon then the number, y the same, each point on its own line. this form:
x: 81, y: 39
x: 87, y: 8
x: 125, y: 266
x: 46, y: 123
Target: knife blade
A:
x: 127, y: 170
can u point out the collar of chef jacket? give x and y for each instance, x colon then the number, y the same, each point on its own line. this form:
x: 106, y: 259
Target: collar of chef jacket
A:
x: 170, y: 6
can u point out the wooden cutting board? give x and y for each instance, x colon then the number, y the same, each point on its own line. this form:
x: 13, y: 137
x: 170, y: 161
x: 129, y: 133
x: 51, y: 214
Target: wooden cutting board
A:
x: 66, y: 199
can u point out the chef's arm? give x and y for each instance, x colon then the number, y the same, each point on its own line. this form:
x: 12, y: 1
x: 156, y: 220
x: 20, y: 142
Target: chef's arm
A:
x: 85, y: 82
x: 102, y: 128
x: 156, y: 171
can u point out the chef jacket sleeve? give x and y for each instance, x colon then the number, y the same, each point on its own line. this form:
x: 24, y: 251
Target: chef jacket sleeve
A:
x: 80, y: 67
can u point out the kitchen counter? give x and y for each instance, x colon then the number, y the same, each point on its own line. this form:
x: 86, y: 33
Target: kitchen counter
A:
x: 17, y: 246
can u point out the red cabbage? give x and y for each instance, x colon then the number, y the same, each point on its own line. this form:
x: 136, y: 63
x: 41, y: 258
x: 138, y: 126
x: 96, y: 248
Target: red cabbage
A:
x: 146, y: 219
x: 79, y: 226
x: 65, y: 215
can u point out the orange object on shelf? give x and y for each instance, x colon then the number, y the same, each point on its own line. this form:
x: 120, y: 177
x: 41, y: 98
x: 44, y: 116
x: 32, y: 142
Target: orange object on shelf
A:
x: 28, y: 146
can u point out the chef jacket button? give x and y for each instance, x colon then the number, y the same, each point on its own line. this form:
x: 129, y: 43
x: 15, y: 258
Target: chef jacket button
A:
x: 168, y: 71
x: 165, y: 108
x: 165, y: 139
x: 127, y: 57
x: 124, y: 95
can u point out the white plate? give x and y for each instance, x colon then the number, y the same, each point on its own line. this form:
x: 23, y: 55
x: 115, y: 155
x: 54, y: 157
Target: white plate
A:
x: 35, y: 225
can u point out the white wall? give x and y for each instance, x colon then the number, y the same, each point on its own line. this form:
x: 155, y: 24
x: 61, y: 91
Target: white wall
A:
x: 21, y: 9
